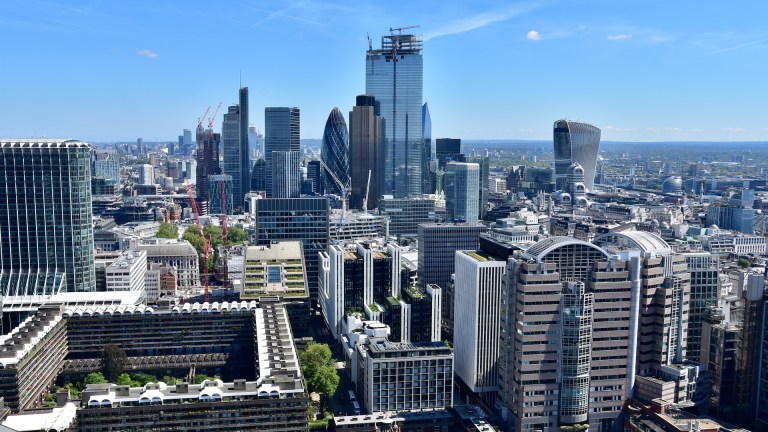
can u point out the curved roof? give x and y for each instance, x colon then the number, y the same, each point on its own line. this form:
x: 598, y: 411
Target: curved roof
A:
x: 539, y: 250
x: 644, y: 241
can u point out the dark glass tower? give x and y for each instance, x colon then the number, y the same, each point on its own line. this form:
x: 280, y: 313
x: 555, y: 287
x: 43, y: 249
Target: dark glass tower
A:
x: 448, y: 149
x: 426, y: 150
x: 207, y: 162
x: 234, y: 132
x: 46, y: 220
x: 244, y: 171
x: 258, y: 176
x: 575, y: 142
x: 366, y: 133
x: 335, y: 151
x: 281, y: 133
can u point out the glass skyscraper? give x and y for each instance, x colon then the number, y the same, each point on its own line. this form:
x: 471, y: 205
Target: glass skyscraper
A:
x: 575, y: 142
x: 46, y: 220
x: 427, y: 153
x: 234, y: 131
x: 366, y: 131
x: 462, y: 191
x: 394, y: 76
x: 335, y: 151
x: 281, y: 133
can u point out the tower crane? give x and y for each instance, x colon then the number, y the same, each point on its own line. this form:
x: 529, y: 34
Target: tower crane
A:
x: 206, y: 241
x: 344, y: 188
x: 367, y: 189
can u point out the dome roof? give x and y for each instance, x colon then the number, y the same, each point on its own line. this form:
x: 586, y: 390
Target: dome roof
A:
x: 672, y: 185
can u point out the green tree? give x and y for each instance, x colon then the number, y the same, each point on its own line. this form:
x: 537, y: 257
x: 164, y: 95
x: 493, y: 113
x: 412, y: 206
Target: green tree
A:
x: 744, y: 263
x: 192, y: 235
x: 113, y: 361
x: 168, y: 230
x: 125, y: 379
x: 199, y: 378
x: 314, y: 357
x: 95, y: 378
x: 214, y: 235
x: 325, y: 380
x: 236, y: 235
x: 141, y: 379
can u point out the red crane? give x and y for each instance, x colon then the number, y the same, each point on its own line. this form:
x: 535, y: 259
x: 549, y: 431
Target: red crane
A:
x: 206, y: 241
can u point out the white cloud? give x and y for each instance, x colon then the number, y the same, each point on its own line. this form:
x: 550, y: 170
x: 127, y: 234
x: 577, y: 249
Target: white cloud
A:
x: 618, y: 37
x: 478, y: 21
x: 734, y: 129
x: 148, y: 53
x: 533, y: 35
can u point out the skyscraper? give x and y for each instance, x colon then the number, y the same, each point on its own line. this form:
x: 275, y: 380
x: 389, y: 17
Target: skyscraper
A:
x: 366, y: 130
x: 447, y: 150
x: 281, y: 133
x: 46, y: 221
x: 258, y: 175
x: 462, y: 191
x: 575, y: 142
x: 394, y: 77
x: 218, y: 184
x: 234, y: 135
x: 335, y: 151
x: 286, y: 174
x: 207, y: 161
x: 243, y: 180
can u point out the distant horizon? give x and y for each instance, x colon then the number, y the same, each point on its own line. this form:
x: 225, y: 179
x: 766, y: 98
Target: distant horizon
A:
x: 640, y: 70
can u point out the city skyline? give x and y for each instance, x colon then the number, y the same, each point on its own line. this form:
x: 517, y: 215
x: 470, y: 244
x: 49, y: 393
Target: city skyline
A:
x: 521, y: 66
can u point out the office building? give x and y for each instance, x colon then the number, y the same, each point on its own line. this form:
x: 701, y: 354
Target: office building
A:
x: 315, y: 177
x: 281, y: 133
x: 286, y: 174
x: 566, y: 337
x: 187, y: 140
x: 575, y: 142
x: 207, y: 162
x: 397, y: 376
x: 447, y: 150
x: 405, y: 214
x: 366, y: 137
x: 462, y: 191
x: 736, y: 213
x: 234, y: 137
x: 106, y: 164
x: 146, y: 174
x: 477, y: 296
x: 394, y: 77
x: 259, y: 176
x: 46, y: 218
x: 243, y: 180
x: 220, y: 193
x: 127, y: 272
x: 335, y: 152
x: 705, y: 286
x: 179, y: 254
x: 438, y: 244
x: 305, y: 219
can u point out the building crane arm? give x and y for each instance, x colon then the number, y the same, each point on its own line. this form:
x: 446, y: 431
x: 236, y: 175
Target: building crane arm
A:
x: 202, y: 119
x: 367, y: 189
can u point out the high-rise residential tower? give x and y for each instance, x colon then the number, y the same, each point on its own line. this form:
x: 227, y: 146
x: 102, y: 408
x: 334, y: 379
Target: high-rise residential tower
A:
x: 281, y: 133
x: 394, y: 76
x: 335, y: 151
x: 366, y: 131
x: 462, y: 191
x: 575, y: 142
x: 46, y: 221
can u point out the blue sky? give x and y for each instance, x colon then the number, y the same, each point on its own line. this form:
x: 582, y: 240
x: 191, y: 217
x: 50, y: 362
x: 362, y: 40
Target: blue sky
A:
x: 645, y: 70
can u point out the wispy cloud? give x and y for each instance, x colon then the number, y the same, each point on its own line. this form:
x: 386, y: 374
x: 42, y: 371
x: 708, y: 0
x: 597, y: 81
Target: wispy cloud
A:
x: 533, y: 35
x: 148, y: 53
x: 734, y: 129
x: 618, y: 37
x: 479, y: 21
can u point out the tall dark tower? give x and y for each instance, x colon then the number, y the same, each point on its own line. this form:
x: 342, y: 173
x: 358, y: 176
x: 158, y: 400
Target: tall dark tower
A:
x: 245, y: 162
x: 366, y: 131
x: 282, y: 132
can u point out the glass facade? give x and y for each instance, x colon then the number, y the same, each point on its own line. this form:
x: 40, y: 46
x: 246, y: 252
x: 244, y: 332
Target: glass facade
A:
x: 366, y: 131
x: 335, y: 151
x: 230, y: 137
x: 46, y: 220
x: 218, y: 184
x: 575, y: 142
x: 281, y: 133
x: 462, y: 191
x: 394, y: 76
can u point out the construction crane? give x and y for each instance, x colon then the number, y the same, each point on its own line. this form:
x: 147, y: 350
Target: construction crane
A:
x: 344, y: 188
x: 201, y: 119
x: 367, y: 189
x: 206, y: 242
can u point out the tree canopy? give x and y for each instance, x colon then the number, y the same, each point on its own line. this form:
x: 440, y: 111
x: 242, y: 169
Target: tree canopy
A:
x: 319, y: 368
x: 236, y: 235
x: 168, y: 230
x: 95, y: 378
x: 113, y: 361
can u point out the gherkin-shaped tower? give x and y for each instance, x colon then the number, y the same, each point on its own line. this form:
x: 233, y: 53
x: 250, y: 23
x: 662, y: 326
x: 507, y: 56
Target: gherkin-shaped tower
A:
x: 335, y: 151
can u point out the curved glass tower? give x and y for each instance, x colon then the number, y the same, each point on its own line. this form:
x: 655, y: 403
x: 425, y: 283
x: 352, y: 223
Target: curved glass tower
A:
x: 335, y: 151
x: 575, y: 142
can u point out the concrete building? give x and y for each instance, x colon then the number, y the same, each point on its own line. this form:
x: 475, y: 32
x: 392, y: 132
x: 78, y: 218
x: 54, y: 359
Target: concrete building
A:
x: 478, y: 294
x: 405, y: 214
x: 146, y: 174
x: 705, y: 283
x: 179, y: 254
x: 127, y: 272
x: 106, y: 164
